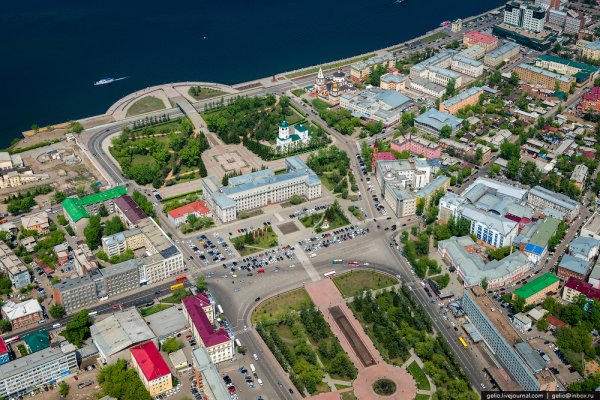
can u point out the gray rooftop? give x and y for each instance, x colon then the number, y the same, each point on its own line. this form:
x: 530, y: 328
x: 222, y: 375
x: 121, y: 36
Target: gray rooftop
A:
x: 574, y: 264
x: 119, y: 268
x: 465, y: 94
x: 583, y: 245
x: 120, y: 331
x: 531, y: 357
x: 467, y: 60
x: 426, y: 83
x: 445, y: 72
x: 432, y: 186
x: 554, y: 197
x: 496, y: 222
x: 500, y: 51
x: 436, y: 59
x: 166, y: 322
x: 211, y: 375
x: 438, y: 119
x: 549, y: 74
x: 28, y: 362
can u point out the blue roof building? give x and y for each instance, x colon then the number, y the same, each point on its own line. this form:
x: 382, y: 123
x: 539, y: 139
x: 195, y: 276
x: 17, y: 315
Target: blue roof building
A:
x: 432, y: 121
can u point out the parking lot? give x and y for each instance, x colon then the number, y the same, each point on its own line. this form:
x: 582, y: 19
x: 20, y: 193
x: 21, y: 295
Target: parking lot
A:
x: 371, y: 187
x: 327, y: 239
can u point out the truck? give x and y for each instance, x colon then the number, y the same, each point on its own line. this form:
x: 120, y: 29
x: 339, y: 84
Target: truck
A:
x: 85, y: 384
x: 252, y: 368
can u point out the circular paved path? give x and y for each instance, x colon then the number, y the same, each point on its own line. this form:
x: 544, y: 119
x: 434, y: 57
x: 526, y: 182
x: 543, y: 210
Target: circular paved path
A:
x: 406, y: 388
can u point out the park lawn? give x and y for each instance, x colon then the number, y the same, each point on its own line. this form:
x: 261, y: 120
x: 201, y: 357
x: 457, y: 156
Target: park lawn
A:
x: 276, y: 307
x: 165, y: 127
x: 311, y: 220
x: 320, y: 105
x: 298, y: 92
x: 355, y: 282
x: 340, y: 387
x: 143, y: 160
x: 154, y: 309
x: 205, y: 93
x: 421, y: 396
x: 419, y: 376
x: 348, y: 396
x: 285, y: 332
x: 177, y: 296
x: 145, y: 105
x: 434, y: 37
x: 322, y: 388
x: 262, y: 243
x: 339, y: 221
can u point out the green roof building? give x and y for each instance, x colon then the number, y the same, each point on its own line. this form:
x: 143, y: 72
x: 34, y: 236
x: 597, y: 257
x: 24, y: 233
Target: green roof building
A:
x: 37, y: 341
x: 77, y: 209
x: 536, y: 290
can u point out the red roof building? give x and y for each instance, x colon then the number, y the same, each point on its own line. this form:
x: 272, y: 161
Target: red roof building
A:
x: 380, y: 156
x: 217, y: 342
x: 129, y: 210
x: 591, y: 100
x: 488, y: 42
x: 152, y: 368
x: 575, y: 287
x: 179, y: 215
x: 557, y: 323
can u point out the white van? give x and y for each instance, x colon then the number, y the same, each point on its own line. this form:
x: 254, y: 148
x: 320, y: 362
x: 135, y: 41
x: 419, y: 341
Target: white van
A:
x: 57, y: 325
x: 255, y: 357
x: 259, y: 381
x: 252, y: 368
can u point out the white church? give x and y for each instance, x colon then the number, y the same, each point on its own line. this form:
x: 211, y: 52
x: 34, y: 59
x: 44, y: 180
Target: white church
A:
x: 291, y: 135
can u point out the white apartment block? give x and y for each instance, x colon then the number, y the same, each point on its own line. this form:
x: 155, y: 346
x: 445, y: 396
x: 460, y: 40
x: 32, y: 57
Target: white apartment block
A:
x: 261, y: 188
x: 442, y: 76
x: 467, y: 66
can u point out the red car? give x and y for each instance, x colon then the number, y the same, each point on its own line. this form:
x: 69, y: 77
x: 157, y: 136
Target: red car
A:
x: 353, y: 263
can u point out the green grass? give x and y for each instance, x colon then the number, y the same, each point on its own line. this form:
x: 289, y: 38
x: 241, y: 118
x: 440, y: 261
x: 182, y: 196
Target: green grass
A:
x: 298, y: 92
x: 434, y: 37
x: 355, y: 282
x: 144, y: 160
x: 319, y: 104
x: 261, y: 243
x: 419, y: 375
x: 322, y: 388
x: 177, y: 296
x: 311, y: 220
x: 205, y: 93
x: 180, y: 196
x: 276, y: 307
x: 340, y: 387
x: 422, y: 397
x: 164, y: 127
x: 347, y: 396
x: 145, y: 105
x: 154, y: 309
x: 329, y: 66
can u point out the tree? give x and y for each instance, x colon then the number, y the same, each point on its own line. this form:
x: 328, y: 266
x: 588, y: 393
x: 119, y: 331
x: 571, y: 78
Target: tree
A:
x: 295, y: 199
x: 93, y: 232
x: 56, y: 311
x: 514, y: 79
x: 119, y: 382
x: 446, y: 131
x: 451, y: 87
x: 102, y: 211
x: 484, y: 283
x: 171, y: 345
x: 76, y: 127
x: 494, y: 170
x: 201, y: 283
x: 495, y: 78
x: 518, y: 304
x: 113, y: 225
x: 59, y: 197
x: 63, y: 389
x: 542, y: 324
x: 5, y: 325
x: 78, y: 330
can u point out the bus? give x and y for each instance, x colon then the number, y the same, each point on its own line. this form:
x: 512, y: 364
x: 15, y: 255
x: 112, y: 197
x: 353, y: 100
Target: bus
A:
x: 329, y: 274
x: 337, y: 261
x: 92, y: 313
x: 177, y: 286
x: 220, y: 309
x: 462, y: 341
x: 12, y: 339
x: 353, y: 263
x: 181, y: 279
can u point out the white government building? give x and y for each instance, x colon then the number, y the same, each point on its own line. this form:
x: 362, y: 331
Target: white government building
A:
x: 261, y: 188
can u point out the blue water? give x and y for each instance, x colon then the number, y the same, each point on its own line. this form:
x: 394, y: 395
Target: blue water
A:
x: 53, y: 51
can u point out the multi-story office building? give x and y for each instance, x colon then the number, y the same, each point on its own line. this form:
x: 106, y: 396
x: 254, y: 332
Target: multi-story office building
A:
x: 574, y: 22
x: 501, y: 54
x: 579, y: 175
x: 457, y: 25
x: 381, y: 105
x: 472, y: 266
x: 575, y: 287
x: 573, y: 267
x: 76, y: 293
x: 467, y: 66
x: 22, y: 314
x: 501, y: 339
x: 432, y: 121
x: 591, y: 101
x: 261, y: 188
x: 474, y: 38
x: 427, y: 87
x: 34, y: 370
x: 417, y: 145
x: 495, y: 230
x: 591, y: 228
x: 443, y: 59
x: 541, y: 198
x: 217, y: 343
x: 475, y: 52
x: 37, y: 222
x: 550, y: 80
x: 580, y: 71
x: 465, y: 98
x: 591, y: 50
x: 151, y: 368
x: 536, y: 291
x: 392, y: 82
x: 76, y: 210
x: 363, y: 69
x: 442, y: 76
x: 13, y: 267
x: 525, y: 16
x: 128, y: 211
x: 208, y: 379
